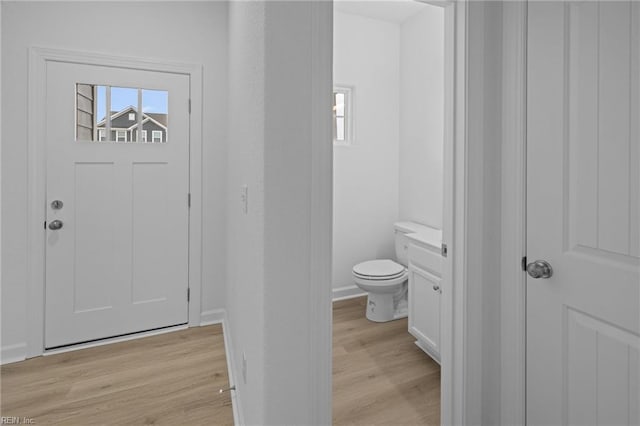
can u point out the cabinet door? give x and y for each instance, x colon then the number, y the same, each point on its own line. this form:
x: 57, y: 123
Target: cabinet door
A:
x: 424, y: 309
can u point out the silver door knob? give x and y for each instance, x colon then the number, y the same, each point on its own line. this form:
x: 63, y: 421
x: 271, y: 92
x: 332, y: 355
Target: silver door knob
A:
x: 539, y: 269
x: 55, y: 225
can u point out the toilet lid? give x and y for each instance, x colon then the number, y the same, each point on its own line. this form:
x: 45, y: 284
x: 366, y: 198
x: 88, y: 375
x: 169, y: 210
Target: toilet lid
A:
x: 379, y: 268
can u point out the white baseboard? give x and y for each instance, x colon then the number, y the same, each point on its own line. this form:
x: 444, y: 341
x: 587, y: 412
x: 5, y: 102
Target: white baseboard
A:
x: 238, y: 416
x: 347, y: 292
x: 13, y: 353
x: 214, y: 316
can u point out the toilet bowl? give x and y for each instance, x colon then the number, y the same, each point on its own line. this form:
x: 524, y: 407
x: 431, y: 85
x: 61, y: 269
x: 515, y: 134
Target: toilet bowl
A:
x: 385, y: 282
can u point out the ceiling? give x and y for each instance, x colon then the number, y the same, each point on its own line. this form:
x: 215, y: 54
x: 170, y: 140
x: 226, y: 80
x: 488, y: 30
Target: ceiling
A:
x: 387, y: 10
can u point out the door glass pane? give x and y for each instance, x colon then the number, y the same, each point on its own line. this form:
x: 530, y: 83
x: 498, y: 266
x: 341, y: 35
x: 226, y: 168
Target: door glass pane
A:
x: 155, y: 108
x: 90, y: 104
x: 124, y: 114
x: 110, y: 114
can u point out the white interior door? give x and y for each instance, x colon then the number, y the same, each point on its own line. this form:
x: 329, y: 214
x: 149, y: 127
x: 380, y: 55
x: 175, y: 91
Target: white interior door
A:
x: 583, y: 323
x: 119, y: 263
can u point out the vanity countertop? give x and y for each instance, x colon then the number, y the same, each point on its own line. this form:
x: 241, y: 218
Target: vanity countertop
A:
x: 428, y: 236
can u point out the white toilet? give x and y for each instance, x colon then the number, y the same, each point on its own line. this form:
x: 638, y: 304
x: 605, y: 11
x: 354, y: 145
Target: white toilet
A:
x: 385, y: 280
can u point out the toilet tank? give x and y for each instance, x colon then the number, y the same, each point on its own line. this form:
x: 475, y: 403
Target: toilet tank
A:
x: 402, y: 242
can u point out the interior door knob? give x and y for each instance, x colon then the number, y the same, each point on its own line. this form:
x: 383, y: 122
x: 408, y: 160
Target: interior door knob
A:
x: 539, y: 269
x: 54, y: 225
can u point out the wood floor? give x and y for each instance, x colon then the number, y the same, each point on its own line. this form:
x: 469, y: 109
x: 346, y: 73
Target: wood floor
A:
x: 379, y: 378
x: 171, y: 378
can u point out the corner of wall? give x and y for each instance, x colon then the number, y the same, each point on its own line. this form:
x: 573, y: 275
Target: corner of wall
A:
x: 212, y: 316
x: 236, y: 395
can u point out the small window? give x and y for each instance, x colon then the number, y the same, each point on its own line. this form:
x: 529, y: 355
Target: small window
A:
x: 120, y: 114
x: 121, y: 135
x: 342, y: 116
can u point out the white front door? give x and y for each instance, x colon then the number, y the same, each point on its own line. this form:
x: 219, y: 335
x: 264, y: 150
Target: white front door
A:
x: 119, y: 262
x: 583, y: 116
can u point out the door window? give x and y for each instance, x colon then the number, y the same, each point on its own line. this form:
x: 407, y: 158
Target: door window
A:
x: 116, y: 114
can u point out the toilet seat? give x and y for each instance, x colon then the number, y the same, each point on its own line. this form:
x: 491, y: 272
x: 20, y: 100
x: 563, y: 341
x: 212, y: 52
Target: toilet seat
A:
x: 381, y: 269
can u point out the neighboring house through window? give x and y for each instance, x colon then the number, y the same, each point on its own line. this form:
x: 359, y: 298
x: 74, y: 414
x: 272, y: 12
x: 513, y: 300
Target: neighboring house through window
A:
x: 123, y: 129
x: 105, y: 113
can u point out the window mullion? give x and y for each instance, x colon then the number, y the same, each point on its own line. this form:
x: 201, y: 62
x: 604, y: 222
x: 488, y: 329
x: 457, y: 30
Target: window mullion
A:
x: 107, y: 114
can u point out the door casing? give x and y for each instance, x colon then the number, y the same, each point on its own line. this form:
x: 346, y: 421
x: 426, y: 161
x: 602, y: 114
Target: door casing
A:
x: 36, y: 200
x: 514, y: 202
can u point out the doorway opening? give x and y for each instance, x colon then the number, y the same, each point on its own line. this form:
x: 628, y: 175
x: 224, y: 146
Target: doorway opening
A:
x: 392, y: 129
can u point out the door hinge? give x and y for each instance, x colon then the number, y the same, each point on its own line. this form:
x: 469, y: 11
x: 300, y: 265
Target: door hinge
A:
x: 189, y: 106
x: 188, y: 294
x: 523, y: 263
x: 443, y: 250
x: 189, y: 200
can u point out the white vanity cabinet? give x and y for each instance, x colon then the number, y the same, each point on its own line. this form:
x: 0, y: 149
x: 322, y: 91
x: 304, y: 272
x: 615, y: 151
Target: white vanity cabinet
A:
x: 425, y: 289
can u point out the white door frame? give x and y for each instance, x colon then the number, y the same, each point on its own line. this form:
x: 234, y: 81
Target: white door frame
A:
x: 453, y: 305
x: 514, y: 201
x: 456, y: 371
x: 36, y: 160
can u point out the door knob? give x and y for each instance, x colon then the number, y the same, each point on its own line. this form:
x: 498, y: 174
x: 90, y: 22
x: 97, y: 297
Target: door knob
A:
x: 55, y: 225
x: 539, y: 269
x: 57, y: 204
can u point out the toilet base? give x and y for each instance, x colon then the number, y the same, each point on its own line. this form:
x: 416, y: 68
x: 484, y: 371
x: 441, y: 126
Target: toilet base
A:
x: 381, y: 308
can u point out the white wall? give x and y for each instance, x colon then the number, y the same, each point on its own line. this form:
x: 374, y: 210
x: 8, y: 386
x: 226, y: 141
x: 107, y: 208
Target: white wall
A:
x: 297, y: 211
x: 422, y: 117
x: 492, y: 218
x: 278, y: 262
x: 181, y: 32
x: 245, y: 238
x: 484, y: 158
x: 365, y: 174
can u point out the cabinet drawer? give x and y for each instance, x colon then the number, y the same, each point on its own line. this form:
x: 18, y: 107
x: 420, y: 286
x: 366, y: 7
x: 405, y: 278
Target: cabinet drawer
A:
x: 427, y: 259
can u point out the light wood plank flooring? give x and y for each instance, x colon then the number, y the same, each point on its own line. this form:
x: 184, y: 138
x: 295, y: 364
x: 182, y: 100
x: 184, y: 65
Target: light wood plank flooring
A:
x: 380, y: 377
x: 170, y: 378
